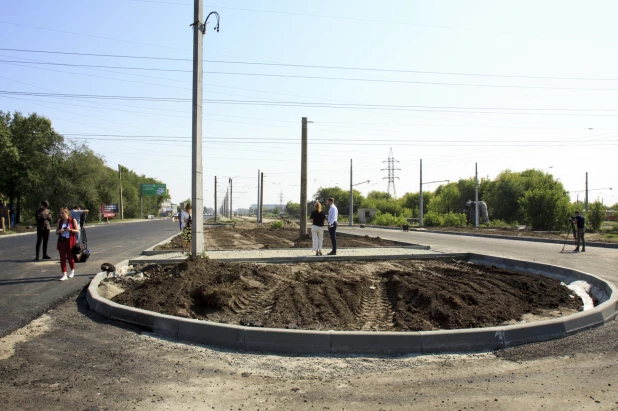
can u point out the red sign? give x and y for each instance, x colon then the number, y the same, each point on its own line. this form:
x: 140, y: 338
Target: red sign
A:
x: 109, y: 210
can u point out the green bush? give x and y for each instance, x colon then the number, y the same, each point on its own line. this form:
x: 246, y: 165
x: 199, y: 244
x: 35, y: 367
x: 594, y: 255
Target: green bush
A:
x: 277, y: 224
x: 595, y: 215
x: 433, y: 219
x: 388, y: 219
x: 454, y: 220
x: 500, y: 223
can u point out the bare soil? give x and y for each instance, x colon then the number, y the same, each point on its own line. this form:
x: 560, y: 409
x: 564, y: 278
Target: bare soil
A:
x: 388, y: 296
x: 247, y: 236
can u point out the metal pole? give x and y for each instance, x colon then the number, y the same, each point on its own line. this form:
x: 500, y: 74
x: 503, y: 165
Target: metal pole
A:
x: 420, y: 199
x: 303, y: 179
x: 351, y: 197
x: 257, y: 207
x: 586, y: 205
x: 197, y: 188
x: 215, y: 199
x: 476, y: 195
x: 231, y: 207
x: 121, y: 205
x: 261, y: 196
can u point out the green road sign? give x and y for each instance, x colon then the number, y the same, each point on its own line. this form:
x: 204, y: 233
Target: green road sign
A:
x: 153, y: 189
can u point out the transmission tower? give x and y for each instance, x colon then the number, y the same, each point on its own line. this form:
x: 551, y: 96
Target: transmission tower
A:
x: 281, y: 200
x: 391, y: 174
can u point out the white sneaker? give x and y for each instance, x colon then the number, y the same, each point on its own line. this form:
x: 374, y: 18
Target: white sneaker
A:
x: 72, y: 274
x: 64, y: 277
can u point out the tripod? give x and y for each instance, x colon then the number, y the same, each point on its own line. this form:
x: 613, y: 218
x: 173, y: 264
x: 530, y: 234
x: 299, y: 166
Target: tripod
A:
x: 572, y: 228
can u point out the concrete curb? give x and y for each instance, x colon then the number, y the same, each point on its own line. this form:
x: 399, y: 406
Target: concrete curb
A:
x: 400, y: 244
x: 360, y: 342
x: 316, y: 259
x: 150, y: 252
x: 151, y: 249
x: 530, y: 239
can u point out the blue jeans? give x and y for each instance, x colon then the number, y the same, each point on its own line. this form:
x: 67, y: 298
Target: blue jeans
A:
x: 332, y: 230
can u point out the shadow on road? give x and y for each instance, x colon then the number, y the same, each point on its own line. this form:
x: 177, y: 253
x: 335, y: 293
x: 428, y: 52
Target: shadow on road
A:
x: 12, y: 281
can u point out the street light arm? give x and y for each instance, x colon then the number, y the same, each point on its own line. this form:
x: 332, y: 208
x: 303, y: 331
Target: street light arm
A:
x: 364, y: 182
x: 440, y: 181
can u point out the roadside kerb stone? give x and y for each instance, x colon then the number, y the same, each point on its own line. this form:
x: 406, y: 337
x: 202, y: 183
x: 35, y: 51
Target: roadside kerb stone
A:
x: 205, y: 332
x: 287, y: 341
x: 516, y: 238
x: 151, y: 250
x: 314, y: 259
x: 367, y: 342
x: 519, y: 334
x: 351, y: 342
x: 464, y: 340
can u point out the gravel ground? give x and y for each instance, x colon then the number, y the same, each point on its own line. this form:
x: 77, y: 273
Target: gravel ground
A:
x: 74, y: 359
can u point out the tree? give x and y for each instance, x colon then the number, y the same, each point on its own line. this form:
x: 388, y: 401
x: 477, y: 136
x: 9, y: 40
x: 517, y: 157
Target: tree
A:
x: 446, y: 199
x: 292, y: 208
x: 596, y: 215
x: 341, y: 197
x: 275, y: 210
x: 545, y: 208
x: 29, y: 155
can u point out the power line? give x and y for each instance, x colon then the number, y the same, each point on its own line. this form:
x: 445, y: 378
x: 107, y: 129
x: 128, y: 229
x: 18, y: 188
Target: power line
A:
x: 314, y: 66
x: 463, y: 110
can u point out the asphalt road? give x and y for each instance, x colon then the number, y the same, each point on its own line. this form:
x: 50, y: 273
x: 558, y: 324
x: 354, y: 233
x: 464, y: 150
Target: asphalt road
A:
x: 28, y: 288
x: 602, y: 262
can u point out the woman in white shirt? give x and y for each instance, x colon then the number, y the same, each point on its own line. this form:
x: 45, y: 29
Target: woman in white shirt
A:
x: 66, y: 230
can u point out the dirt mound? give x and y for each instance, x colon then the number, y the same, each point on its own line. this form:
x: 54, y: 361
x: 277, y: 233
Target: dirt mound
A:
x: 395, y: 296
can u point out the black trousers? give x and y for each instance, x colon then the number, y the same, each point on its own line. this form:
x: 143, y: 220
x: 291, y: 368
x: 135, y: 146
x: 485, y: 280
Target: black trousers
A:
x: 332, y: 230
x: 41, y: 235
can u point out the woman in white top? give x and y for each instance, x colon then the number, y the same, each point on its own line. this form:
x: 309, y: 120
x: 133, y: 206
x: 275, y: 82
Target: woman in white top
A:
x: 66, y: 230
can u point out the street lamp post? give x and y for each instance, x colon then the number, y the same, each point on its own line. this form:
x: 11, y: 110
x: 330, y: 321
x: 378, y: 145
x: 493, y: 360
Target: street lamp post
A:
x: 197, y: 183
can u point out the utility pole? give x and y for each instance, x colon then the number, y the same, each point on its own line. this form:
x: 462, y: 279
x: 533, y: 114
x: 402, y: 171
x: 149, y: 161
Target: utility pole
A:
x: 257, y: 207
x: 121, y: 206
x: 476, y: 195
x: 231, y: 203
x: 303, y: 179
x: 420, y: 199
x: 197, y: 183
x: 351, y: 198
x: 261, y: 196
x: 586, y: 205
x: 215, y: 199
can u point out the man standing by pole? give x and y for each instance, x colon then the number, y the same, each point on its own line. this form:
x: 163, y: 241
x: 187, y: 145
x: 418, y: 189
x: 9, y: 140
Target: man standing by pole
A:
x: 580, y: 221
x: 197, y: 183
x: 333, y: 213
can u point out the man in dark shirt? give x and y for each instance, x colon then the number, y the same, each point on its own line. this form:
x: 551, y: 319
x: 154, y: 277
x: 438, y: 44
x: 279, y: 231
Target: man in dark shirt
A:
x: 43, y: 226
x: 581, y: 231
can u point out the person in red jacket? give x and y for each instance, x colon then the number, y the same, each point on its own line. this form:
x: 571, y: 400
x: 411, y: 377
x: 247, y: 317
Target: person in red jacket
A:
x: 67, y: 231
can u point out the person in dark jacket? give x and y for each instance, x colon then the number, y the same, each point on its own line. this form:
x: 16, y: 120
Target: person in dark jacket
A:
x: 43, y: 226
x: 580, y: 221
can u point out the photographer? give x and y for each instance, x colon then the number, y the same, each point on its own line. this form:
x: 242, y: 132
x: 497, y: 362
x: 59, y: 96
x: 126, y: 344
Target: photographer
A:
x: 579, y: 221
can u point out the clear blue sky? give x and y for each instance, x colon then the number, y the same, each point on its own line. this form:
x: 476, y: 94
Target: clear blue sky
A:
x: 545, y: 96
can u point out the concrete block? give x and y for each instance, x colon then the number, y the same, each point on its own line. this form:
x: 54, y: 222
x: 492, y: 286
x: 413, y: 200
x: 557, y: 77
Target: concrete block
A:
x: 359, y: 342
x: 103, y: 307
x: 165, y: 325
x: 533, y: 332
x: 209, y: 333
x: 472, y: 339
x: 132, y: 315
x: 287, y: 341
x: 609, y: 310
x: 585, y: 320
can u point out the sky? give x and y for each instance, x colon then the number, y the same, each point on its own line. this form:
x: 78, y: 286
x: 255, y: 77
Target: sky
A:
x: 505, y: 85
